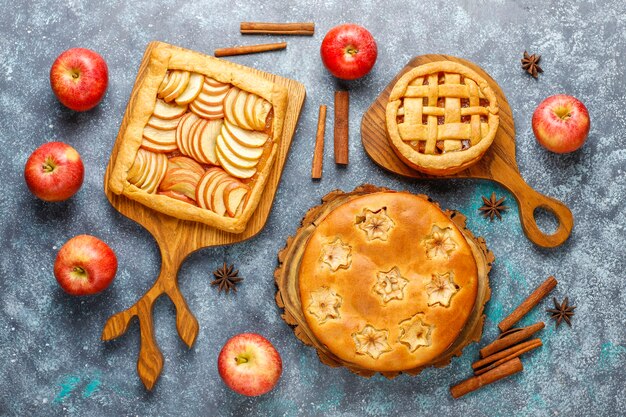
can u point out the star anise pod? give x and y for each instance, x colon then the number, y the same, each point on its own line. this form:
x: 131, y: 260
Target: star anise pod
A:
x: 562, y: 311
x: 226, y: 278
x: 530, y: 64
x: 492, y: 207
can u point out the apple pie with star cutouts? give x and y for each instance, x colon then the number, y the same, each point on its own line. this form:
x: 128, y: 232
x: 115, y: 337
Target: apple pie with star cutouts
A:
x: 200, y: 139
x: 386, y: 282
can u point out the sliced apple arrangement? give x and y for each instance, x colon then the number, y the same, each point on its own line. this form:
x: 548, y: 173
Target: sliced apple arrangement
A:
x: 221, y: 193
x: 196, y: 137
x: 180, y: 86
x: 203, y: 143
x: 210, y: 102
x: 148, y: 170
x: 159, y: 134
x: 181, y: 179
x: 238, y: 150
x: 246, y: 110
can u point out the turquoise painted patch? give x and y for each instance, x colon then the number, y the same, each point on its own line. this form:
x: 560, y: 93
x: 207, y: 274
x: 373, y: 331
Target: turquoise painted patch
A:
x: 333, y: 397
x: 610, y: 354
x: 494, y: 311
x: 68, y: 385
x: 379, y: 404
x: 93, y: 385
x: 275, y: 405
x: 479, y: 224
x: 91, y: 388
x: 307, y: 369
x: 480, y: 227
x: 515, y: 274
x: 535, y: 402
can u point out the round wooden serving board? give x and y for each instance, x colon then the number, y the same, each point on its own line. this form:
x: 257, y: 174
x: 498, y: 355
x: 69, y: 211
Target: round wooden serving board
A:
x: 287, y: 274
x: 178, y: 238
x: 498, y: 164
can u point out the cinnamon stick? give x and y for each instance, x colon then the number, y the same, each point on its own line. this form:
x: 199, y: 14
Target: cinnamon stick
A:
x: 318, y: 156
x: 250, y: 49
x: 511, y: 338
x: 472, y: 384
x: 490, y: 362
x: 527, y: 305
x: 266, y: 28
x: 342, y: 111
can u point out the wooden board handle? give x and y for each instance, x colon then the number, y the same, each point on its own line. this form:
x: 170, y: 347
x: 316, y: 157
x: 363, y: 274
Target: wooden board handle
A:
x: 150, y: 361
x: 529, y: 200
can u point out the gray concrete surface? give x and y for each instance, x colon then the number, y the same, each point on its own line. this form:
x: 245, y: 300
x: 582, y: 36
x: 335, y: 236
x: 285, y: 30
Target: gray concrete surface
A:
x: 53, y: 362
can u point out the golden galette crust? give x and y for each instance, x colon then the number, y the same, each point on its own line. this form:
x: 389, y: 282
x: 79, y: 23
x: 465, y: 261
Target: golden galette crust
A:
x: 449, y: 162
x: 387, y: 282
x: 166, y: 57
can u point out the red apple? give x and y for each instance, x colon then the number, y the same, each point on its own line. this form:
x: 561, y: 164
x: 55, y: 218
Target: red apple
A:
x: 349, y: 51
x: 249, y: 364
x: 79, y: 78
x: 561, y: 123
x: 85, y: 265
x: 54, y: 171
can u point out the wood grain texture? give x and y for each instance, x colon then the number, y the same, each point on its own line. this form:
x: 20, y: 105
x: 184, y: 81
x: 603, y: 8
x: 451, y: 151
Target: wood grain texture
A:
x: 288, y: 294
x: 178, y: 238
x: 498, y: 164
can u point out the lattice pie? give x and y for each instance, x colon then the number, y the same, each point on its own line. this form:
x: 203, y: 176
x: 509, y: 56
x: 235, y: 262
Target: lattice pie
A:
x: 389, y: 283
x: 441, y: 117
x: 200, y: 138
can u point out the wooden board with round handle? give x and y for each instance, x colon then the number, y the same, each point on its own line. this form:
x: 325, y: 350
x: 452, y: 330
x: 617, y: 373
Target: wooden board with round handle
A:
x: 179, y: 238
x: 498, y: 164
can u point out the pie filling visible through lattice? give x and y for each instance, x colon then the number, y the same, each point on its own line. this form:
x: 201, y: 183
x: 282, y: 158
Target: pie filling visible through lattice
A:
x: 441, y: 117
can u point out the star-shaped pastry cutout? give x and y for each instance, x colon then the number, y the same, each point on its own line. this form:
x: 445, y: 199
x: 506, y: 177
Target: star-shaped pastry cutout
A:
x: 415, y: 333
x: 439, y: 243
x: 371, y: 341
x: 324, y: 304
x: 441, y: 289
x: 390, y: 285
x: 376, y: 224
x: 336, y: 255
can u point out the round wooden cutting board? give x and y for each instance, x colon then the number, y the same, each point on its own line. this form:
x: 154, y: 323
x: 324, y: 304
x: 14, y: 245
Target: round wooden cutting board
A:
x: 287, y: 279
x: 498, y: 164
x: 178, y: 238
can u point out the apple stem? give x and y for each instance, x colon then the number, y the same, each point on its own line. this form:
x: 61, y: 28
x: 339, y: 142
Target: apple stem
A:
x: 78, y: 272
x: 351, y: 50
x: 562, y: 113
x: 49, y: 165
x: 241, y: 359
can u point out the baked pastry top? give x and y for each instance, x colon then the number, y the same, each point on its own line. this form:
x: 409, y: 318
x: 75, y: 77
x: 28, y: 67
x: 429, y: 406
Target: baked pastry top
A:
x: 387, y: 282
x: 441, y: 117
x: 200, y: 138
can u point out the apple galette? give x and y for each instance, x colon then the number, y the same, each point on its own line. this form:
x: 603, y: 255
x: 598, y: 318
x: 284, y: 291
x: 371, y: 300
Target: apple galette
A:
x: 388, y: 282
x: 200, y: 139
x: 441, y: 117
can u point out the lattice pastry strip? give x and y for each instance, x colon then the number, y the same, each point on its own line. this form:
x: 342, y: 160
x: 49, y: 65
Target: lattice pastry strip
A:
x: 421, y: 101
